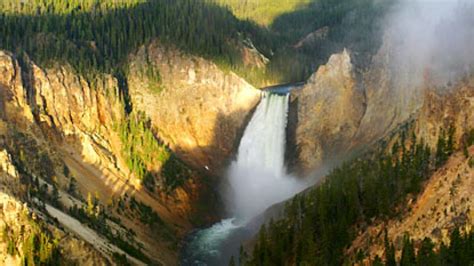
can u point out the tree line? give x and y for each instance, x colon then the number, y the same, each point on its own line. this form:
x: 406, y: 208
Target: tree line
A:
x: 459, y: 252
x: 97, y: 36
x: 319, y: 224
x: 143, y: 152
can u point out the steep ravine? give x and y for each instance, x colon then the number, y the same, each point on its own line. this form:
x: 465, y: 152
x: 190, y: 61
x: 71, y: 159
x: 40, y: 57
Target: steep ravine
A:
x: 52, y: 119
x: 54, y: 115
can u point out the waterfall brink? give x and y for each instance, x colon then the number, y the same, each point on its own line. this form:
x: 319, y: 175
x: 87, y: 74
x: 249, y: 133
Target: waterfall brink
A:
x: 257, y: 179
x: 263, y: 143
x: 258, y: 176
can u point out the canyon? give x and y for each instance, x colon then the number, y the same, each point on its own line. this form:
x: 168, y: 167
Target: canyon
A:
x: 134, y: 165
x: 200, y: 113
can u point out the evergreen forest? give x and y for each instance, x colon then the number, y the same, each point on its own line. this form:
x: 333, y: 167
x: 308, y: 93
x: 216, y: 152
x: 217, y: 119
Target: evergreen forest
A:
x: 97, y: 36
x: 318, y: 225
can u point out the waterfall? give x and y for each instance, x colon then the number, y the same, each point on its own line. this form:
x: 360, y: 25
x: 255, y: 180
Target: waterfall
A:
x: 256, y: 180
x: 263, y: 143
x: 258, y: 176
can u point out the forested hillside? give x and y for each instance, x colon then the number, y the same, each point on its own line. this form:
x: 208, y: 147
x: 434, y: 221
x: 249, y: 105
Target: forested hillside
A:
x: 318, y: 225
x: 309, y: 31
x: 119, y: 117
x: 459, y: 252
x: 264, y: 12
x: 97, y: 36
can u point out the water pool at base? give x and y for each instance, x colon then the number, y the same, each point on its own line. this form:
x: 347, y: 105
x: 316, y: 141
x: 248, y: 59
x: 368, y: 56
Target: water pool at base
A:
x: 257, y: 179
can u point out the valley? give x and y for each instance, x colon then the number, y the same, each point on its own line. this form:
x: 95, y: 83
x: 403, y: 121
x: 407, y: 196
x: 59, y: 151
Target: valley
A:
x: 222, y: 132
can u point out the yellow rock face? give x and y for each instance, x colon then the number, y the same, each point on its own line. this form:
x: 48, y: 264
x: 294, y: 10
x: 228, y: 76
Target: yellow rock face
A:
x: 200, y: 110
x: 329, y: 110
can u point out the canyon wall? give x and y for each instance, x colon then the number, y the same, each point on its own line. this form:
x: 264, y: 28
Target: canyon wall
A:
x: 328, y: 110
x: 197, y: 109
x: 341, y: 110
x: 63, y: 129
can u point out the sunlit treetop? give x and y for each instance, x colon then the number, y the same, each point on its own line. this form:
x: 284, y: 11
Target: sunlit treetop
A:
x: 36, y: 7
x: 263, y: 12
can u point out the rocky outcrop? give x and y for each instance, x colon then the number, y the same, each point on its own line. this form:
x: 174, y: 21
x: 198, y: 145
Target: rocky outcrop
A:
x: 198, y: 110
x: 251, y: 56
x: 453, y: 107
x: 10, y: 181
x: 394, y: 92
x: 312, y: 38
x: 60, y: 106
x: 63, y: 127
x: 339, y: 112
x: 13, y: 96
x: 18, y: 220
x: 57, y: 97
x: 329, y: 109
x: 446, y: 203
x: 67, y: 102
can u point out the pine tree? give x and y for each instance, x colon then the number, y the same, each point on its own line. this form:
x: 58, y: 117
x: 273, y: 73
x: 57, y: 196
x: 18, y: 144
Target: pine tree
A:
x: 450, y: 142
x: 389, y: 252
x: 441, y: 149
x: 465, y: 151
x: 426, y: 255
x: 377, y: 261
x: 455, y: 255
x: 72, y: 187
x: 55, y: 195
x: 408, y: 252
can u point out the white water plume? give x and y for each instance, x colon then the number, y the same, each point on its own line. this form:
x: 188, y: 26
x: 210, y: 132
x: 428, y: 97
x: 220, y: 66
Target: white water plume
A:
x: 258, y: 176
x: 431, y: 39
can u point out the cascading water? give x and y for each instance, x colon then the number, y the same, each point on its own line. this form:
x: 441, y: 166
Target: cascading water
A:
x: 256, y: 180
x: 258, y: 176
x: 263, y: 143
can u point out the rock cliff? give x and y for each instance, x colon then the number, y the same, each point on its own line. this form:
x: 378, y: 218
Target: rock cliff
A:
x: 328, y: 111
x: 342, y: 110
x: 65, y: 131
x: 445, y: 204
x: 19, y: 221
x: 394, y: 92
x: 198, y: 110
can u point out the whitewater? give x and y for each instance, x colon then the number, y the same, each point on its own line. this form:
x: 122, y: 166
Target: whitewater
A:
x: 258, y: 176
x: 256, y: 179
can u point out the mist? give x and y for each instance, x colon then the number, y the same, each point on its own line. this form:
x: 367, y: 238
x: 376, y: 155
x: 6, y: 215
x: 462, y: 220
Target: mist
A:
x: 428, y: 41
x: 254, y: 190
x: 257, y: 178
x: 431, y: 41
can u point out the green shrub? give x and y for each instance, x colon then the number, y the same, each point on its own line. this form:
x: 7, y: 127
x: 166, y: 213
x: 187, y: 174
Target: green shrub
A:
x: 142, y: 150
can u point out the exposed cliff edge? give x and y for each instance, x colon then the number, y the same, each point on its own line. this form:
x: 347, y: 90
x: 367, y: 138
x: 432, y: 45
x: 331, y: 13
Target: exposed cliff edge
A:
x: 70, y: 136
x: 197, y: 109
x: 20, y: 222
x: 341, y: 109
x: 329, y: 109
x: 444, y: 205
